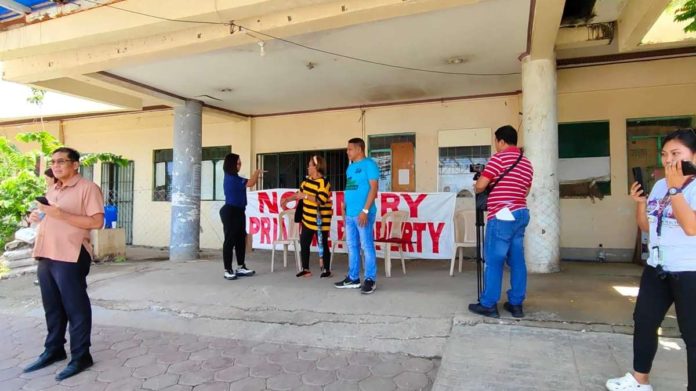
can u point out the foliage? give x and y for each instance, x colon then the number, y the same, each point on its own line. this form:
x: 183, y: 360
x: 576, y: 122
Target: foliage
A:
x: 49, y: 144
x: 12, y: 159
x: 16, y: 195
x: 105, y: 157
x: 687, y: 13
x: 37, y: 96
x: 46, y: 140
x: 18, y: 186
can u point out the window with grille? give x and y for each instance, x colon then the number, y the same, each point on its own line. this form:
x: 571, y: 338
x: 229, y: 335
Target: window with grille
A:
x: 288, y: 169
x: 454, y: 168
x: 87, y: 172
x: 212, y: 174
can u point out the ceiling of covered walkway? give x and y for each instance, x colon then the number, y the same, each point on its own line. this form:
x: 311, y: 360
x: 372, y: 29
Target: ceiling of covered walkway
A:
x: 259, y: 57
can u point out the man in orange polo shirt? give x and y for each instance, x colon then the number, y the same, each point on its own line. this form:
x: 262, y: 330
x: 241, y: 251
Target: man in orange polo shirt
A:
x: 63, y: 250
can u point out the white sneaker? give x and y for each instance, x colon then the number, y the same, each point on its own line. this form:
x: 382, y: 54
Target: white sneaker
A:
x: 229, y: 275
x: 242, y: 271
x: 627, y: 383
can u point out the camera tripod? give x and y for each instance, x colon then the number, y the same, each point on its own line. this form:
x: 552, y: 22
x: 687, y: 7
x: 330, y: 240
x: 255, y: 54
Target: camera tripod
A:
x: 480, y: 229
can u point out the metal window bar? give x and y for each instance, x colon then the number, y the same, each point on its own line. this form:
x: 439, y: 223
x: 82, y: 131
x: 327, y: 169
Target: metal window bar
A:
x: 288, y: 169
x: 87, y: 172
x: 117, y: 187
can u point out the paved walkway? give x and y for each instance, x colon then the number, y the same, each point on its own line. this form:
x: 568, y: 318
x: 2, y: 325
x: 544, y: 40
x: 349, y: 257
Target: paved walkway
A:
x: 503, y: 357
x: 134, y: 359
x: 183, y: 325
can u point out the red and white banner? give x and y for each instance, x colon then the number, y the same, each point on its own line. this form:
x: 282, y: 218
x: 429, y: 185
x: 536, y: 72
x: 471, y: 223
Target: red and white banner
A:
x: 430, y: 226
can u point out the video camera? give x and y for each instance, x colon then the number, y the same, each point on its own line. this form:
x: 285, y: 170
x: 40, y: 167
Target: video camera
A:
x: 477, y: 168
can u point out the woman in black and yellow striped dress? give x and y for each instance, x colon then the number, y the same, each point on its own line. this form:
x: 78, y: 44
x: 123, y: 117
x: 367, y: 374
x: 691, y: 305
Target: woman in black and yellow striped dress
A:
x: 315, y: 193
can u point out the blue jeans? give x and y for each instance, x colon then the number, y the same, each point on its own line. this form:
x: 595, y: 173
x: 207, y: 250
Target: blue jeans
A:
x: 361, y: 237
x: 504, y: 242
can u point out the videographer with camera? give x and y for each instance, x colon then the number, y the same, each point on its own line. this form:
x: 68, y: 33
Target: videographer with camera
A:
x: 669, y: 215
x: 508, y: 178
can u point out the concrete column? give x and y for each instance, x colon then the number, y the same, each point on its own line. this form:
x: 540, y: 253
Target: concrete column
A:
x: 184, y: 240
x: 539, y: 107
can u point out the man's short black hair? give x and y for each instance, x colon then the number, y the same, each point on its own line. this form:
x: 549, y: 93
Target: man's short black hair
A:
x: 358, y: 141
x: 506, y: 133
x: 72, y: 154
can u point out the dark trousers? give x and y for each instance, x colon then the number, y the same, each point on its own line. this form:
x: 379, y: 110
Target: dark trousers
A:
x: 654, y: 299
x: 65, y: 300
x: 234, y: 227
x: 306, y: 237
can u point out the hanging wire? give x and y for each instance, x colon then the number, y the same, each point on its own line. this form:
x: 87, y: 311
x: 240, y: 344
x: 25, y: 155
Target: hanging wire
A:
x: 307, y: 47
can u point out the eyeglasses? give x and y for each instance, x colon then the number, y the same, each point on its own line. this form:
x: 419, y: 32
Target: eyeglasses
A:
x: 58, y: 162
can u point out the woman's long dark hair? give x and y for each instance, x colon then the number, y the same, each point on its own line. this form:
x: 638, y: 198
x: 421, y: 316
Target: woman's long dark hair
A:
x: 230, y: 165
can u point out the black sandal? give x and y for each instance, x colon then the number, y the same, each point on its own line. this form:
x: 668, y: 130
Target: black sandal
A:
x: 304, y: 273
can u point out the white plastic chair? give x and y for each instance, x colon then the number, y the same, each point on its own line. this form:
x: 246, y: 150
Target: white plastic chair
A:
x: 391, y: 233
x: 288, y: 233
x: 464, y: 235
x: 339, y: 240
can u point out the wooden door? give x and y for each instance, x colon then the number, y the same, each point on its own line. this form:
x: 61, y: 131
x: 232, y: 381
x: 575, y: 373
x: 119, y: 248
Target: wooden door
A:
x: 403, y: 167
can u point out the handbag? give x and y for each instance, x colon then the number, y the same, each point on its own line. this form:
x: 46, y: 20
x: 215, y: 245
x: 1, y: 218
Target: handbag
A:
x: 298, y: 211
x: 482, y: 197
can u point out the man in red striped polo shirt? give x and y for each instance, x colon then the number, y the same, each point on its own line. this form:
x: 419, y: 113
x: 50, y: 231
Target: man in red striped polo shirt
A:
x: 507, y: 220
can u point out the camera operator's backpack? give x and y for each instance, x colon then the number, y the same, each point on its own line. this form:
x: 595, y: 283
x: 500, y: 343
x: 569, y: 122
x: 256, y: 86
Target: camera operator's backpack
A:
x: 482, y: 197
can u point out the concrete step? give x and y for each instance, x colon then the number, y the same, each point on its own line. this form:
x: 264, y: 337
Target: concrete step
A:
x: 17, y: 272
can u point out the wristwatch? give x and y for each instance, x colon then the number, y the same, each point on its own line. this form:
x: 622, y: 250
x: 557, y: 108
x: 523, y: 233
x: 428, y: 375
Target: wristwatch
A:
x: 366, y: 211
x: 674, y: 191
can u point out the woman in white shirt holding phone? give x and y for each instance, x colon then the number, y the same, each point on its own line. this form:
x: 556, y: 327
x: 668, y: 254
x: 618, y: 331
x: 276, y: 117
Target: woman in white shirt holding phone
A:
x: 668, y: 214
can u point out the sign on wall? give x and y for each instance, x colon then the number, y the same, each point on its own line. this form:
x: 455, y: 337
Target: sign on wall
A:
x: 429, y: 227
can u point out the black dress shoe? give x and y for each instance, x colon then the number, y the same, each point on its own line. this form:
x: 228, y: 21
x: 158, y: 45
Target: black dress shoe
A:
x: 515, y: 310
x: 45, y: 359
x: 75, y: 366
x: 491, y: 312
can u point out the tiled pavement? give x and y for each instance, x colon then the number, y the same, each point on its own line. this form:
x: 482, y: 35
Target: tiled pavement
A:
x: 136, y: 359
x: 507, y: 357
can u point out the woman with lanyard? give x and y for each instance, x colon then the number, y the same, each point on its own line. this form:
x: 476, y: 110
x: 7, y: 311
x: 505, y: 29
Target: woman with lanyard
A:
x: 233, y: 216
x: 670, y: 276
x: 315, y: 194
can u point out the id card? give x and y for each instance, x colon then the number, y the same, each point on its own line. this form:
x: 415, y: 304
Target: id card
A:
x: 656, y: 255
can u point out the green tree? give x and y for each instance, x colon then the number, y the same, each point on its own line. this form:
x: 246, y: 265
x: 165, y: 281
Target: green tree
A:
x: 19, y: 185
x: 687, y: 13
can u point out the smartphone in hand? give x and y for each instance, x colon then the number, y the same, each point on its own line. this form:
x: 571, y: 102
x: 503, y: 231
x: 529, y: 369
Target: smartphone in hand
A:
x: 42, y: 200
x: 638, y: 177
x: 688, y: 168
